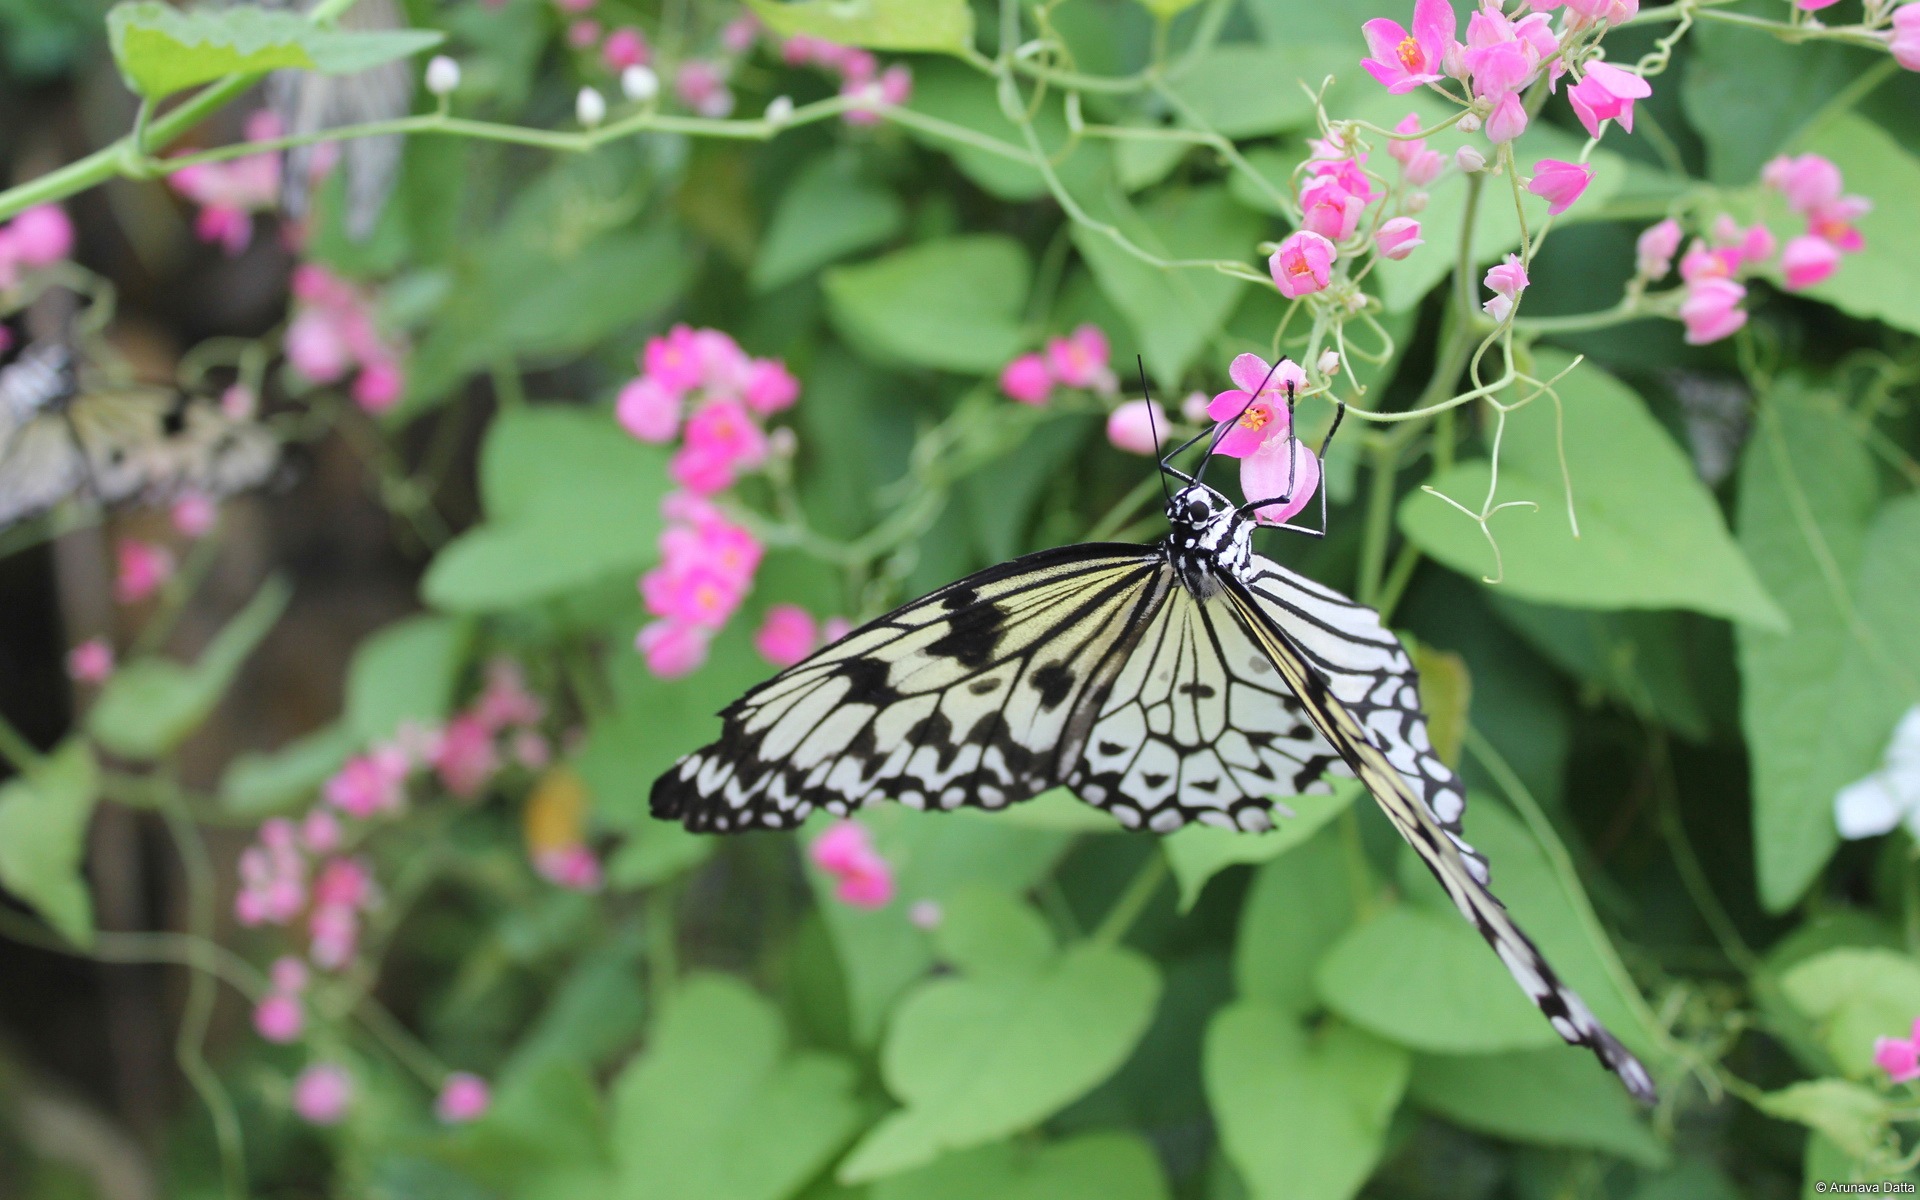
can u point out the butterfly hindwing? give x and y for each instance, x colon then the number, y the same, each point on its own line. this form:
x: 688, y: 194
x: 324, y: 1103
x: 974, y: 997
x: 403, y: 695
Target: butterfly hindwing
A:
x: 1440, y: 848
x: 982, y: 693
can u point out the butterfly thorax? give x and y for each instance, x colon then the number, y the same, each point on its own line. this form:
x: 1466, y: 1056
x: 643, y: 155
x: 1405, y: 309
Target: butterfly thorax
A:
x: 1209, y: 538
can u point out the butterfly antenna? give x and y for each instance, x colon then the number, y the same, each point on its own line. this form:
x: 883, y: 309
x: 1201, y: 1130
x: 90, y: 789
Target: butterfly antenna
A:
x: 1153, y: 426
x: 1220, y: 431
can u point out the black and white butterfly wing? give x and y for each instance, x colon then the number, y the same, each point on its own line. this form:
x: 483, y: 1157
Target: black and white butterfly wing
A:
x: 982, y: 693
x: 1455, y: 865
x: 92, y: 444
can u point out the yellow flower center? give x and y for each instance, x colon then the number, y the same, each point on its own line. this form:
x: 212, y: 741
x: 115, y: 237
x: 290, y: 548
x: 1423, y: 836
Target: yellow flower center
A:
x: 1412, y: 57
x: 1255, y: 418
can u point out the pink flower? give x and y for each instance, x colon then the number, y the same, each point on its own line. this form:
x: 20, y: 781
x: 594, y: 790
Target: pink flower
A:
x: 273, y: 877
x: 1403, y: 61
x: 571, y: 867
x: 1304, y: 262
x: 1349, y: 171
x: 673, y: 648
x: 1757, y: 243
x: 1329, y: 210
x: 1027, y: 380
x: 892, y: 89
x: 315, y: 347
x: 1274, y: 473
x: 1898, y: 1057
x: 1506, y: 281
x: 1814, y: 5
x: 320, y: 832
x: 786, y: 636
x: 1905, y: 45
x: 369, y: 784
x: 1701, y: 262
x: 1508, y: 120
x: 583, y: 33
x: 279, y: 1018
x: 625, y: 47
x: 1607, y: 94
x: 1403, y: 150
x: 833, y: 629
x: 42, y: 235
x: 696, y: 593
x: 738, y: 34
x: 672, y: 360
x: 1807, y: 260
x: 1424, y: 168
x: 1833, y: 220
x: 1656, y: 247
x: 343, y: 883
x: 333, y: 933
x: 466, y: 760
x: 863, y: 878
x: 1133, y: 426
x: 702, y: 86
x: 144, y: 569
x: 647, y: 410
x: 1711, y: 310
x: 90, y: 662
x: 193, y: 514
x: 871, y: 886
x: 1256, y: 419
x: 725, y: 430
x: 505, y: 702
x: 1807, y: 181
x: 463, y: 1098
x: 288, y: 974
x: 768, y: 386
x: 228, y: 193
x: 1398, y: 238
x: 322, y: 1094
x: 1559, y: 183
x: 1079, y: 360
x: 378, y: 387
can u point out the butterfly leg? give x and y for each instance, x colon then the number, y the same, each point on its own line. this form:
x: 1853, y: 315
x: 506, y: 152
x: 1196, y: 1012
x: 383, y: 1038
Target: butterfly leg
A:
x: 1339, y: 414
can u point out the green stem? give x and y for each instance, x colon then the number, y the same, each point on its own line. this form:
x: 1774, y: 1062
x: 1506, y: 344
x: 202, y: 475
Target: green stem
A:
x: 1133, y: 900
x: 1379, y: 521
x: 16, y: 749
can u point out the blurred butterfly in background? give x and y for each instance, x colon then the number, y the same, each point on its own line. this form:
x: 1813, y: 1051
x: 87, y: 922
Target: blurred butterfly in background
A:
x: 65, y: 434
x: 1188, y: 681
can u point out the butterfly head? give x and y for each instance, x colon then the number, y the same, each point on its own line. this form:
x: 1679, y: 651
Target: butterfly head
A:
x: 1208, y: 535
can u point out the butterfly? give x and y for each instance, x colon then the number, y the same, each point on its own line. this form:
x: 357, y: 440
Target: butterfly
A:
x: 1182, y: 682
x: 65, y: 435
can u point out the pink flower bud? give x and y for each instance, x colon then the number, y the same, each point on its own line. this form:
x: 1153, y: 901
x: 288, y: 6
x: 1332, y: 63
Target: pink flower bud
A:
x: 1711, y: 310
x: 1559, y: 183
x: 42, y: 235
x: 90, y: 662
x: 288, y: 974
x: 786, y: 636
x: 1027, y: 380
x: 1329, y: 210
x: 1424, y: 168
x: 1133, y: 426
x: 1607, y: 94
x: 1398, y: 238
x: 1469, y: 159
x: 1506, y: 281
x: 769, y: 387
x: 1079, y: 360
x: 1808, y: 181
x: 1656, y: 247
x: 194, y: 514
x: 1905, y: 45
x: 925, y: 914
x: 144, y: 569
x: 647, y: 410
x: 378, y: 387
x: 1303, y: 264
x: 463, y: 1098
x: 1898, y: 1057
x: 1807, y: 260
x: 322, y: 1094
x: 279, y: 1018
x: 625, y: 47
x: 672, y: 648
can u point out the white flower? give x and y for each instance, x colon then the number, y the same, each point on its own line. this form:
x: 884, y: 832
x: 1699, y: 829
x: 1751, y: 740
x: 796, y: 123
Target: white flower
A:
x: 639, y: 84
x: 443, y: 75
x: 1874, y: 805
x: 1469, y: 159
x: 1329, y: 362
x: 591, y: 107
x: 780, y: 110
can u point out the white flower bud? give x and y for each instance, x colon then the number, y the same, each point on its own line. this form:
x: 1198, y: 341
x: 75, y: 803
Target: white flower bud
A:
x: 780, y: 110
x: 443, y: 75
x: 782, y: 442
x: 1469, y: 123
x: 1414, y: 203
x: 639, y: 83
x: 1469, y: 160
x: 590, y: 107
x: 1329, y: 362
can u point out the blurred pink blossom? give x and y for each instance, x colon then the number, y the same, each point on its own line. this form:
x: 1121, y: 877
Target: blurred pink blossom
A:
x: 1508, y: 120
x: 143, y: 568
x: 648, y: 410
x: 1134, y: 426
x: 1656, y: 247
x: 737, y: 35
x: 1808, y: 181
x: 463, y: 1098
x: 892, y: 89
x: 466, y: 759
x: 333, y: 933
x: 1402, y: 61
x: 863, y: 879
x: 672, y: 648
x: 572, y: 867
x: 41, y: 235
x: 1905, y: 42
x: 1398, y: 238
x: 702, y: 86
x: 786, y: 635
x: 769, y: 387
x: 1328, y: 209
x: 1303, y: 264
x: 1807, y: 260
x: 370, y: 784
x: 320, y: 832
x: 91, y: 661
x: 273, y: 877
x: 625, y: 47
x: 288, y: 975
x: 280, y: 1018
x: 505, y: 701
x: 531, y: 749
x: 193, y: 514
x: 1506, y: 281
x: 1899, y: 1057
x: 323, y: 1093
x: 1027, y: 379
x: 672, y: 360
x: 230, y: 192
x: 1711, y: 309
x: 1079, y: 360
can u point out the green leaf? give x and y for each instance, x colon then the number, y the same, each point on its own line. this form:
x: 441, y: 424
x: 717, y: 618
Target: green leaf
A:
x: 1303, y: 1115
x: 1199, y: 852
x: 1057, y: 810
x: 1651, y: 534
x: 548, y: 531
x: 1330, y: 21
x: 152, y: 704
x: 1852, y: 1117
x: 992, y: 1052
x: 161, y: 50
x: 945, y: 25
x: 405, y: 672
x: 991, y: 933
x: 1296, y: 910
x: 1747, y: 92
x: 1876, y: 284
x: 1094, y: 1166
x: 953, y: 304
x: 596, y: 1011
x: 826, y: 214
x: 1546, y: 1097
x: 719, y: 1107
x: 1641, y: 659
x: 259, y: 784
x: 656, y: 851
x: 1693, y: 1179
x: 1819, y: 704
x: 1468, y: 1004
x: 1854, y: 996
x: 952, y: 93
x: 1248, y: 90
x: 43, y: 837
x: 1174, y: 313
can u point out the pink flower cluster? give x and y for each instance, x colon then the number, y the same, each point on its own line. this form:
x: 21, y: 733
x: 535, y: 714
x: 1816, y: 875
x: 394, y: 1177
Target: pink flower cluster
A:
x: 620, y: 48
x: 1501, y: 57
x: 323, y: 1094
x: 1711, y: 305
x: 573, y: 867
x: 274, y: 887
x: 1078, y: 360
x: 789, y: 634
x: 332, y: 335
x: 862, y: 878
x: 38, y: 237
x: 1899, y: 1057
x: 860, y: 75
x: 1256, y: 427
x: 91, y: 661
x: 140, y: 569
x: 1334, y: 194
x: 281, y: 1017
x: 229, y: 193
x: 700, y: 386
x: 1506, y: 281
x: 706, y: 569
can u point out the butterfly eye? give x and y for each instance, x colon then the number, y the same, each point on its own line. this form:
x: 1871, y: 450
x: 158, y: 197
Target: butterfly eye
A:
x: 1196, y: 511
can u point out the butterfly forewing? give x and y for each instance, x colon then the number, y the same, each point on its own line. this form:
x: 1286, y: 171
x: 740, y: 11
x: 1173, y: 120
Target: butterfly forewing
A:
x: 1440, y: 848
x: 979, y: 694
